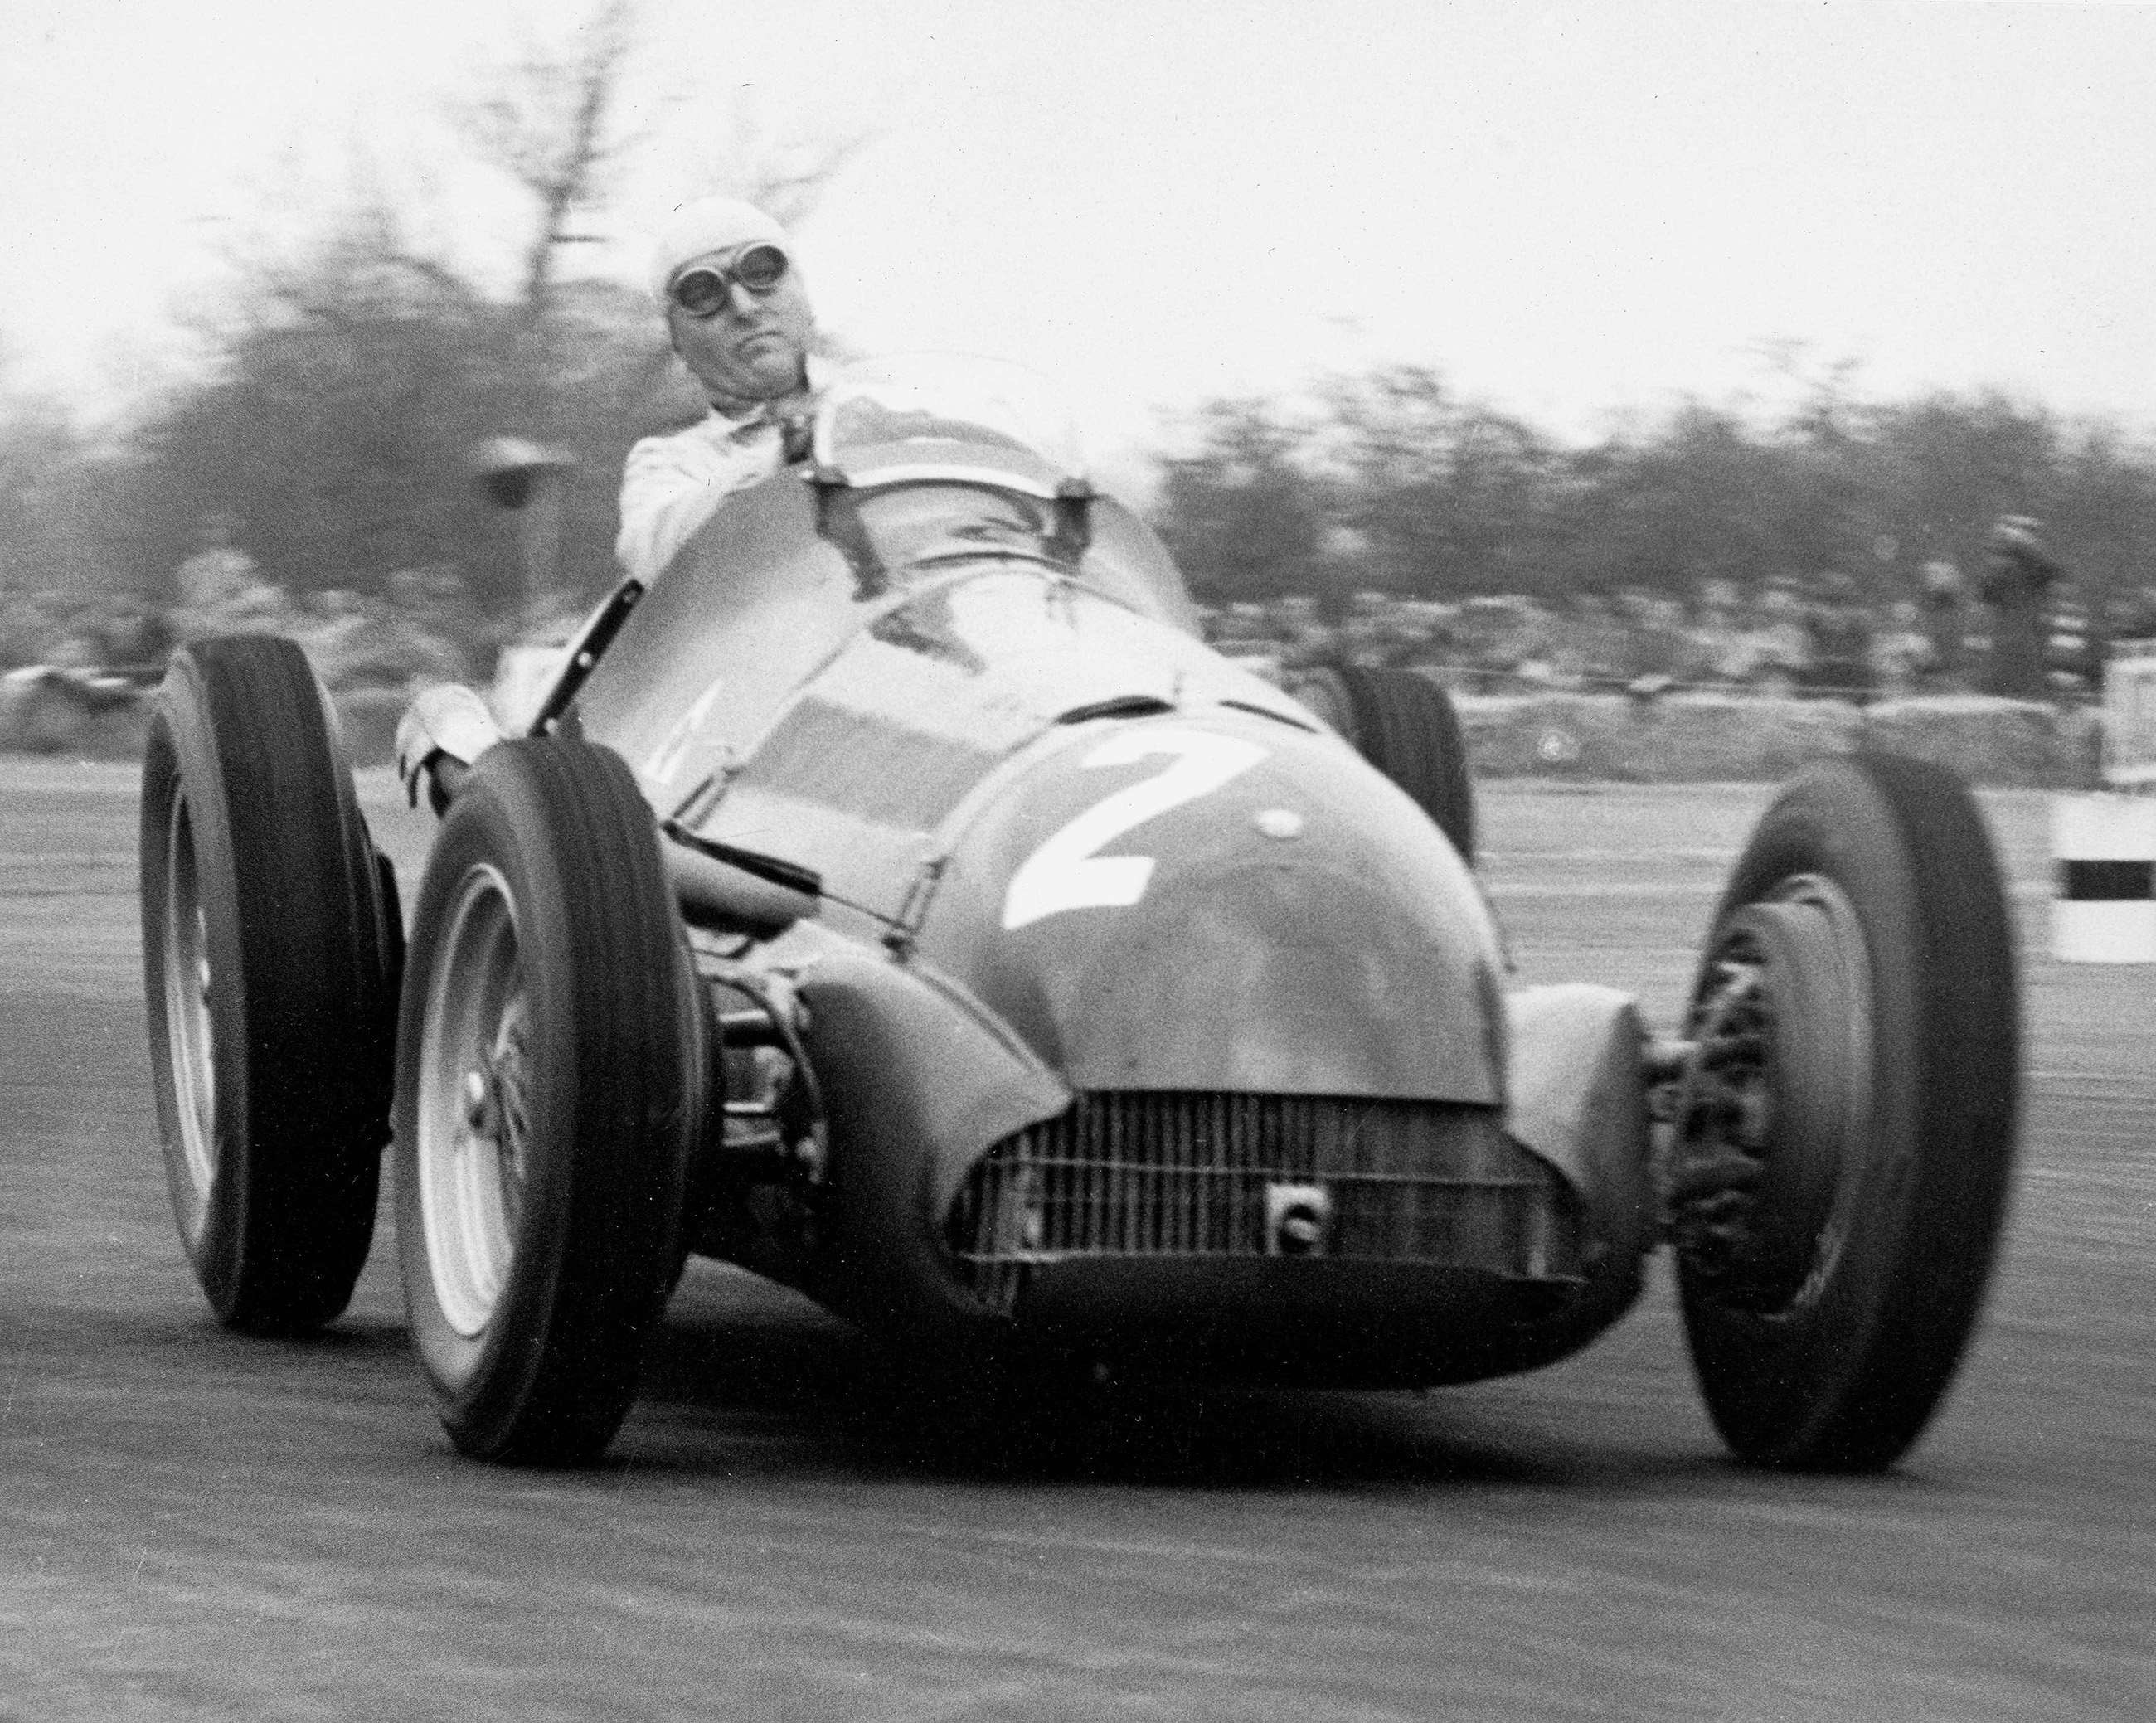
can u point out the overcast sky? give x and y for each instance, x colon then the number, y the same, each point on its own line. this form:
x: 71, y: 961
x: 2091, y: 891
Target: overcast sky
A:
x: 1569, y: 209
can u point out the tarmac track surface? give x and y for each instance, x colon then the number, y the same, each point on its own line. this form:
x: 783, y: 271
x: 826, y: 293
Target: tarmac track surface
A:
x: 195, y: 1525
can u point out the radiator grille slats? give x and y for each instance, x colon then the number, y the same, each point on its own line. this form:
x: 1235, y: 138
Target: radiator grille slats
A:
x: 1191, y: 1174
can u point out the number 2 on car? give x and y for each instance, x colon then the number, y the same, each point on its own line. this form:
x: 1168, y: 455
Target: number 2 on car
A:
x: 1067, y: 873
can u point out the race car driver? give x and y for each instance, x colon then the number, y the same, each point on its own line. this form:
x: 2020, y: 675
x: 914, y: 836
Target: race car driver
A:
x: 737, y: 313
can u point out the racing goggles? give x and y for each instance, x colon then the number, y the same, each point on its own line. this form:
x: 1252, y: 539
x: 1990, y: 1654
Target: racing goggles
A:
x: 704, y: 291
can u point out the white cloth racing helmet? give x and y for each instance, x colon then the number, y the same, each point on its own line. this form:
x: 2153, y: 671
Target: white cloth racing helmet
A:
x: 696, y: 229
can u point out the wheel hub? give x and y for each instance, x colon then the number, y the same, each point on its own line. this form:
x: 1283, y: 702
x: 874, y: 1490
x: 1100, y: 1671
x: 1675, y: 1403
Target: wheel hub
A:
x: 1772, y: 1107
x: 495, y: 1118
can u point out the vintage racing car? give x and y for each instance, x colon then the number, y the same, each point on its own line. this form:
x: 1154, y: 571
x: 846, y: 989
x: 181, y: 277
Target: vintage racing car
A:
x: 899, y: 899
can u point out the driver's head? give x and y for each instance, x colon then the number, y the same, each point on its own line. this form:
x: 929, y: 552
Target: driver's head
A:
x: 734, y: 306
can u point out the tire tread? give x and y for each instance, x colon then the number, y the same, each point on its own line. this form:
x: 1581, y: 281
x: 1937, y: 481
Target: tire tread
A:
x: 1406, y: 726
x: 1791, y: 1393
x: 303, y: 1113
x: 601, y: 945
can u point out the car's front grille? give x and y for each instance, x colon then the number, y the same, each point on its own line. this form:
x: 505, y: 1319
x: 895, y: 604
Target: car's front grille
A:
x: 1150, y: 1174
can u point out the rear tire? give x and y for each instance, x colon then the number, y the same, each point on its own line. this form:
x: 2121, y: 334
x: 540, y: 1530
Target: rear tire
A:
x: 1846, y: 1139
x: 549, y: 1086
x: 1404, y: 725
x: 269, y: 976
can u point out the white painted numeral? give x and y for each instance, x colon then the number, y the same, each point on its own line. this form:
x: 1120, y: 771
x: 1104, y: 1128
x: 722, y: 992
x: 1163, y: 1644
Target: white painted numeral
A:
x: 1065, y: 874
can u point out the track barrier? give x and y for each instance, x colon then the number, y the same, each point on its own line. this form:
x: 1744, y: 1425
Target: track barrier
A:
x: 2104, y: 844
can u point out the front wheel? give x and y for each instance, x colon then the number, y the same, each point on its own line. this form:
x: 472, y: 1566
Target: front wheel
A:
x: 270, y: 946
x: 1846, y: 1137
x: 549, y: 1065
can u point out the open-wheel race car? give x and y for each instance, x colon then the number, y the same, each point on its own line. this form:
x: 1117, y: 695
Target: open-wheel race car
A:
x: 899, y: 900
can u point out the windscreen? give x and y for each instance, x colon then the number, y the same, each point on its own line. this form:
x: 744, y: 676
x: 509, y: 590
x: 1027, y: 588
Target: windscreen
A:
x: 955, y: 457
x: 934, y: 416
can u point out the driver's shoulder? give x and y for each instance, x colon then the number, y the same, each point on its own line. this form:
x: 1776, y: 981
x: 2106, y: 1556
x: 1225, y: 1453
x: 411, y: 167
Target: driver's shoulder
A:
x: 696, y: 446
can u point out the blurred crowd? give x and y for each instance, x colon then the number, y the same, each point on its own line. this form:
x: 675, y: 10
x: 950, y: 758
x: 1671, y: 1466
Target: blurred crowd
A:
x: 2023, y: 628
x: 423, y: 629
x: 1822, y: 638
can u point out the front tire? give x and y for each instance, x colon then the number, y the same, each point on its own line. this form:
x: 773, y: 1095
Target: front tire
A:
x: 548, y: 1086
x: 1846, y: 1140
x: 268, y: 972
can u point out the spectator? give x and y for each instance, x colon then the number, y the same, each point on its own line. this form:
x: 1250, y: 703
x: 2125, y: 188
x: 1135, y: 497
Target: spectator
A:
x: 219, y: 573
x: 1241, y: 630
x: 1901, y: 651
x: 1366, y: 636
x: 1943, y: 607
x: 1660, y: 646
x: 1588, y: 647
x: 1784, y: 642
x: 1296, y: 623
x: 2073, y: 648
x: 135, y: 635
x: 1478, y: 638
x: 1840, y: 637
x: 1716, y: 629
x: 2015, y: 585
x: 1724, y: 650
x: 1421, y: 629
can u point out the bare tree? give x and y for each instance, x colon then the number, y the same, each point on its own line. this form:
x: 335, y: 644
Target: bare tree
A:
x: 547, y: 120
x: 366, y: 344
x: 780, y: 169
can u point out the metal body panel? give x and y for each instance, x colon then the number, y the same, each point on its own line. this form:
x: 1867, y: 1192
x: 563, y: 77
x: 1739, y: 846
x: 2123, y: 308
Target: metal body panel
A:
x: 1351, y: 956
x: 1578, y: 1098
x: 743, y: 614
x: 859, y: 770
x: 916, y: 1085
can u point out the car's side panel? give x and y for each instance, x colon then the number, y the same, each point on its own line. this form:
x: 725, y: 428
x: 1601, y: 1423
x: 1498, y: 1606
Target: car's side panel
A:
x: 1579, y: 1101
x: 1127, y: 560
x: 744, y: 613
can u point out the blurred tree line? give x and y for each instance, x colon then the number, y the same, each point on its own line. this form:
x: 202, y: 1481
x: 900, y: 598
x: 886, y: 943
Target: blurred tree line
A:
x: 49, y: 521
x: 353, y: 374
x: 352, y: 382
x: 1391, y: 482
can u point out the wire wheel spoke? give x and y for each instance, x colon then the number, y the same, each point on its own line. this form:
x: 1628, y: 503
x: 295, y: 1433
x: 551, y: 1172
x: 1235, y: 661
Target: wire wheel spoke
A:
x: 1775, y: 1106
